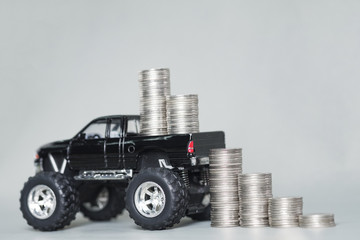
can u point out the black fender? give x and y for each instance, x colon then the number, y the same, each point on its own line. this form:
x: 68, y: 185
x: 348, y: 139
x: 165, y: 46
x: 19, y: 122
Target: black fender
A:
x: 153, y: 159
x: 54, y: 161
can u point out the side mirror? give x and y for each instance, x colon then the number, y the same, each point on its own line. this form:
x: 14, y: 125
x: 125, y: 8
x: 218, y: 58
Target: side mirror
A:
x: 81, y: 136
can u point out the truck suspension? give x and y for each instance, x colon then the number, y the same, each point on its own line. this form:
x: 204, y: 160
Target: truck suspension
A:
x: 185, y: 176
x: 205, y: 177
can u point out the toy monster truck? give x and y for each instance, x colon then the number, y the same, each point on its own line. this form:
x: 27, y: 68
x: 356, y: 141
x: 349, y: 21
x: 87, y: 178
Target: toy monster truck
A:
x: 108, y: 166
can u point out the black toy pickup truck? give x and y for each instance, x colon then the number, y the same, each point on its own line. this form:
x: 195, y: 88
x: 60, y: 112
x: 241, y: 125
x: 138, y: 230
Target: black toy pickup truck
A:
x: 109, y: 165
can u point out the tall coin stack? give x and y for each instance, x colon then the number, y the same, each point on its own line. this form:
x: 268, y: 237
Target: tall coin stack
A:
x: 254, y: 192
x: 182, y: 114
x: 225, y: 167
x: 285, y: 211
x: 154, y: 88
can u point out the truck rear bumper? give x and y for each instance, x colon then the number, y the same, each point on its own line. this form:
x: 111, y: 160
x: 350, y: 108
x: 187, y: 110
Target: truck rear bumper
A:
x: 199, y: 161
x: 203, y: 160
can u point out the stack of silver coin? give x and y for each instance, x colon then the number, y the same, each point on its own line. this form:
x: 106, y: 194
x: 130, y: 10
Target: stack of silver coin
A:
x: 285, y: 211
x: 225, y: 167
x: 182, y: 114
x: 254, y: 192
x: 317, y: 220
x: 154, y: 88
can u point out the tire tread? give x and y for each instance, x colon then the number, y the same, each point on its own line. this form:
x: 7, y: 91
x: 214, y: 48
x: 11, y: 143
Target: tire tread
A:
x: 179, y: 207
x: 69, y: 199
x: 115, y: 208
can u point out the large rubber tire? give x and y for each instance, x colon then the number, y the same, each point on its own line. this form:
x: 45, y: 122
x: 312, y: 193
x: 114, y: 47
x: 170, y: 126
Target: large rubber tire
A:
x: 114, y: 206
x: 175, y: 195
x: 61, y: 192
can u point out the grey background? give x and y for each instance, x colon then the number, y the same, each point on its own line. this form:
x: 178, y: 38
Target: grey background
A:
x: 280, y: 77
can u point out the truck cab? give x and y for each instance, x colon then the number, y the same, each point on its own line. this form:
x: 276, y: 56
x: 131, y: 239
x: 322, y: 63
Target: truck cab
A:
x: 102, y: 144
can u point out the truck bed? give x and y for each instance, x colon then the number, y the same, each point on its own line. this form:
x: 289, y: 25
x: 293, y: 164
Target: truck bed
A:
x: 204, y: 141
x: 176, y: 145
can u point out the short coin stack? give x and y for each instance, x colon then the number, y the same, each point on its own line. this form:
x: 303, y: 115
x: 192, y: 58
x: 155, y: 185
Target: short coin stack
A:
x: 225, y: 167
x: 317, y: 220
x: 154, y: 87
x: 254, y: 193
x: 285, y: 211
x: 182, y: 114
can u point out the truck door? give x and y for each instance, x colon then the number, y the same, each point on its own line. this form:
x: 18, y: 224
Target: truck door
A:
x: 86, y: 151
x: 130, y: 140
x: 113, y: 159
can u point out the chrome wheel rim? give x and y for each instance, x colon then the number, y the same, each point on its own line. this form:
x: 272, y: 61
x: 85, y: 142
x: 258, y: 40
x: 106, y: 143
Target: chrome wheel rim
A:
x: 101, y: 201
x: 149, y: 199
x: 41, y: 201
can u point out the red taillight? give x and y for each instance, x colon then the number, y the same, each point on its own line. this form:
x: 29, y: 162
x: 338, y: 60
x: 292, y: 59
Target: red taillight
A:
x: 191, y: 147
x: 37, y: 156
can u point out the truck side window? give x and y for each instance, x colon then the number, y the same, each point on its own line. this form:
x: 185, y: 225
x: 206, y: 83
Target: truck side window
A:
x: 132, y: 127
x: 95, y: 130
x: 115, y: 128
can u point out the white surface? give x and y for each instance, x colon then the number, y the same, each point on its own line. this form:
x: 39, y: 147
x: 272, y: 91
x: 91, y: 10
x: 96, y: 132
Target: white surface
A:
x: 124, y: 228
x: 281, y: 78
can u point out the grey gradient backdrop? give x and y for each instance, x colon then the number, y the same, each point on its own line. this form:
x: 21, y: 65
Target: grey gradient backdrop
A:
x: 280, y: 77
